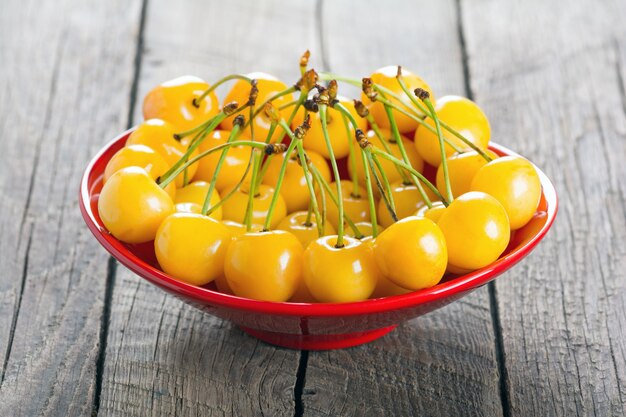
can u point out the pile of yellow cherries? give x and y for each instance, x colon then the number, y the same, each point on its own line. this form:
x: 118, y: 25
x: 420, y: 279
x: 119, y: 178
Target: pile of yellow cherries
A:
x: 294, y: 193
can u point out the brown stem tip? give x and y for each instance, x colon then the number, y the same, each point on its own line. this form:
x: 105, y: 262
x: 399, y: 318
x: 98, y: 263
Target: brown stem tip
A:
x: 230, y: 108
x: 360, y: 108
x: 421, y: 93
x: 367, y: 85
x: 239, y: 120
x: 303, y: 128
x: 254, y: 93
x: 311, y: 106
x: 275, y: 148
x: 304, y: 59
x: 308, y: 81
x: 399, y: 73
x: 271, y: 112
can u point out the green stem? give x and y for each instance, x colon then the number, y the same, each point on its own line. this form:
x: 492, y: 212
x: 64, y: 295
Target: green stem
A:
x: 396, y: 134
x: 326, y: 189
x: 252, y: 191
x: 197, y: 129
x: 309, y: 214
x: 319, y: 220
x: 207, y: 200
x: 370, y: 195
x: 261, y: 106
x: 409, y: 168
x: 384, y: 141
x: 225, y: 198
x: 168, y: 179
x: 333, y: 161
x: 287, y: 105
x: 442, y: 149
x: 218, y: 83
x: 387, y: 198
x: 351, y: 158
x: 279, y: 184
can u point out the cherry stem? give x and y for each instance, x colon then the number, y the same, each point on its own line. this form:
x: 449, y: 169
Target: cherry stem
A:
x: 279, y: 184
x: 370, y: 194
x: 352, y: 159
x: 207, y: 200
x: 266, y: 163
x: 385, y: 142
x: 412, y: 170
x: 252, y: 191
x: 442, y: 149
x: 431, y: 113
x: 333, y: 197
x: 333, y: 162
x: 287, y: 105
x: 261, y: 107
x: 396, y: 134
x: 217, y: 84
x: 170, y: 177
x: 192, y: 147
x: 309, y: 213
x: 233, y: 190
x: 387, y: 198
x: 313, y: 206
x: 198, y: 129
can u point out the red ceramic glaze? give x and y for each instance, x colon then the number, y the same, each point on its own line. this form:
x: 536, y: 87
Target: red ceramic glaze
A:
x: 301, y: 325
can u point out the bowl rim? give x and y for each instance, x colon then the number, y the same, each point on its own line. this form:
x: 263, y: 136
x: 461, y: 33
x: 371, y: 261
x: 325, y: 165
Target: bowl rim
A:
x: 439, y: 292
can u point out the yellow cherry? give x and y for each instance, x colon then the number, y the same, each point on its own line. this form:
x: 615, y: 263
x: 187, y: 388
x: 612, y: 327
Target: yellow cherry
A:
x: 340, y: 275
x: 294, y: 189
x: 196, y: 193
x: 407, y: 199
x: 433, y: 213
x: 461, y: 170
x: 412, y: 253
x: 476, y: 228
x: 306, y: 232
x: 132, y: 206
x: 159, y: 135
x: 514, y: 182
x: 386, y: 77
x: 235, y: 207
x: 364, y: 227
x: 175, y: 101
x: 461, y: 114
x: 268, y: 87
x: 139, y: 156
x: 264, y: 266
x: 233, y: 167
x: 192, y: 247
x: 339, y: 138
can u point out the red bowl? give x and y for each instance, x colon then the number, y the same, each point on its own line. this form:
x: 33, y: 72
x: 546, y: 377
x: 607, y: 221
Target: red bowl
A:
x: 301, y: 325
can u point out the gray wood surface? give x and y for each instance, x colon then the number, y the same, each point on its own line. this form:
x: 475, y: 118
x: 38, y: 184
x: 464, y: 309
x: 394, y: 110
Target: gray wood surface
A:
x: 65, y: 78
x: 80, y: 335
x: 554, y: 91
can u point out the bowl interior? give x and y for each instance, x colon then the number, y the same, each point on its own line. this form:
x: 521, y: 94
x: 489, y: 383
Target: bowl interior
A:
x: 141, y: 259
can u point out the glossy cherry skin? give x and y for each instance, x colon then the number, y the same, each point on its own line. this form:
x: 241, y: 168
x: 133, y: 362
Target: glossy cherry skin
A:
x: 340, y: 275
x: 355, y: 207
x: 514, y: 182
x: 476, y: 228
x: 386, y: 77
x: 196, y: 193
x: 412, y: 253
x: 174, y: 101
x: 461, y: 170
x: 235, y: 207
x: 407, y: 199
x: 132, y: 206
x: 433, y: 213
x: 264, y: 265
x: 364, y: 227
x: 339, y: 138
x: 296, y: 224
x: 234, y: 165
x: 294, y: 189
x: 139, y: 156
x: 461, y: 114
x: 390, y: 169
x: 268, y: 87
x: 159, y: 135
x: 192, y: 247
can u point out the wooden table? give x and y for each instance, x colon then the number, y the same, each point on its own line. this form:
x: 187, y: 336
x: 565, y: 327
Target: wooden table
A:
x: 80, y: 335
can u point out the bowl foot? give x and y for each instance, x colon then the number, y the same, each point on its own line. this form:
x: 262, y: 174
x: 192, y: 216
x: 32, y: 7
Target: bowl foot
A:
x: 318, y: 341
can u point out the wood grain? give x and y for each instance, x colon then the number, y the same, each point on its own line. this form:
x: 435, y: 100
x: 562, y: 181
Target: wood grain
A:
x: 164, y: 357
x: 554, y: 90
x: 64, y: 81
x: 442, y: 364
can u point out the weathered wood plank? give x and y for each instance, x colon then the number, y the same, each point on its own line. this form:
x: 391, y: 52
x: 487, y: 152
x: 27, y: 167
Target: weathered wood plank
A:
x: 443, y: 364
x: 554, y: 87
x: 64, y: 80
x: 164, y: 357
